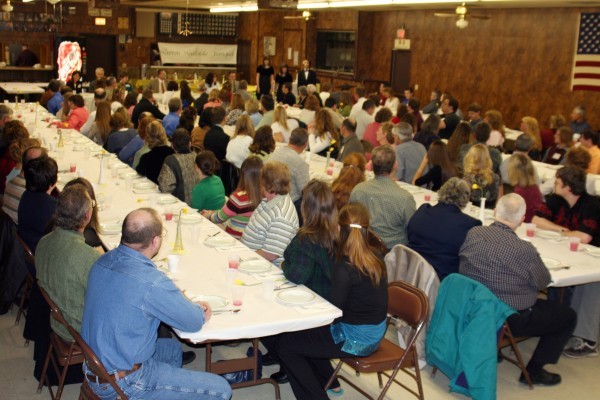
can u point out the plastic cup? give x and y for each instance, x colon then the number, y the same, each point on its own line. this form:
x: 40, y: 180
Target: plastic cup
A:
x: 22, y: 101
x: 107, y: 201
x: 330, y: 171
x: 51, y: 144
x: 268, y: 287
x: 237, y: 295
x: 80, y: 173
x: 168, y: 214
x: 113, y: 170
x: 234, y: 261
x: 331, y: 163
x: 427, y: 197
x: 128, y: 182
x: 72, y: 167
x: 530, y: 230
x: 173, y: 260
x: 86, y: 153
x: 574, y: 243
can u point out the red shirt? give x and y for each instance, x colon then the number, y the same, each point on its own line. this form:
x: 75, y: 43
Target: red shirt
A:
x: 533, y: 199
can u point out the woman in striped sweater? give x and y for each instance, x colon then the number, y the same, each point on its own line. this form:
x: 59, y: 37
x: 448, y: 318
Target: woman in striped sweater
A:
x: 236, y: 212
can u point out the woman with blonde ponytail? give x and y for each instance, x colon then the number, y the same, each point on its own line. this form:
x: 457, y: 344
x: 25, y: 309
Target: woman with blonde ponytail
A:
x: 359, y: 289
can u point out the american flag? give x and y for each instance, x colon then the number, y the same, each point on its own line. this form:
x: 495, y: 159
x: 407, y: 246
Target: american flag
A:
x: 586, y: 65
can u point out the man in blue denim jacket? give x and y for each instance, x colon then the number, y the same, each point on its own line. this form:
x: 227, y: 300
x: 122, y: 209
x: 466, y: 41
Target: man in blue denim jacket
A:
x: 126, y: 300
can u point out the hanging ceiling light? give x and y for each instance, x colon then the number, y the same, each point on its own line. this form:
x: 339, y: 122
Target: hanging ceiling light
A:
x: 185, y: 31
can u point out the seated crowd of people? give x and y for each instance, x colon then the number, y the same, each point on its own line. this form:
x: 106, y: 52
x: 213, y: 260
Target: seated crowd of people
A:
x: 330, y: 237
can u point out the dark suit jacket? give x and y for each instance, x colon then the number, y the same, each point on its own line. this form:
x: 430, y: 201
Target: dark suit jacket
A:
x: 437, y: 233
x: 216, y: 140
x: 143, y: 106
x: 312, y: 78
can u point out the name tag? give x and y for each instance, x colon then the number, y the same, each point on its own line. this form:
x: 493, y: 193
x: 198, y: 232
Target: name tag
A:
x: 556, y: 156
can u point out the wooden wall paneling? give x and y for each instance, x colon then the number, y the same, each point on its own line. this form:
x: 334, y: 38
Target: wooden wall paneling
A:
x: 292, y: 39
x: 508, y: 63
x: 248, y: 30
x: 366, y: 48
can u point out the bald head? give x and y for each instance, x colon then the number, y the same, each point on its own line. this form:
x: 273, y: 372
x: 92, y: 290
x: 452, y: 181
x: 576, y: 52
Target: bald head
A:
x: 510, y: 210
x: 140, y: 228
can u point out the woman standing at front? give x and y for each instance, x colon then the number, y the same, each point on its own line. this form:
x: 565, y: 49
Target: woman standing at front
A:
x: 359, y: 289
x: 264, y: 78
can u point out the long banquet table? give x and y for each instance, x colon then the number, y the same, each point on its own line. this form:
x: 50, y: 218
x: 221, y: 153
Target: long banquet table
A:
x: 202, y: 270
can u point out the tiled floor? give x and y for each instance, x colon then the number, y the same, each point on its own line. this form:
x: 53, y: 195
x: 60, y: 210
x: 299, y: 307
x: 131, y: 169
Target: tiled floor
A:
x: 581, y: 378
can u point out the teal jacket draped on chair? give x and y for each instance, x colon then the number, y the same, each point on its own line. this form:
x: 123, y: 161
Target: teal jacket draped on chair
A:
x: 462, y: 336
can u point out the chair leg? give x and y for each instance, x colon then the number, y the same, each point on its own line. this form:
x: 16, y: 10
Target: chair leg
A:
x: 334, y: 375
x: 380, y: 380
x: 43, y: 376
x: 418, y: 377
x: 433, y: 372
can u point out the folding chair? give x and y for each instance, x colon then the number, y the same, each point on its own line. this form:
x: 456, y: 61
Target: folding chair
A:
x: 29, y: 281
x: 409, y: 304
x: 61, y: 352
x: 506, y: 339
x: 96, y: 367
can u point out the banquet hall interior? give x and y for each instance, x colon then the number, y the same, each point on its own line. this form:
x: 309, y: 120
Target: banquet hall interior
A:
x: 510, y: 55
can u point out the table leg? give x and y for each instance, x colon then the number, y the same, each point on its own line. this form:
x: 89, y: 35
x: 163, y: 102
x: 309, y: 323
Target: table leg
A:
x: 239, y: 364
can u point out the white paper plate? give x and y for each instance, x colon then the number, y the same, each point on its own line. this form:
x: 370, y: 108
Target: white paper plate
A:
x: 551, y: 262
x: 548, y: 234
x: 110, y: 228
x: 221, y: 240
x: 167, y: 200
x: 121, y: 166
x: 255, y: 266
x: 593, y: 251
x: 216, y: 302
x: 81, y: 141
x: 79, y: 147
x: 144, y: 185
x: 295, y: 296
x: 189, y: 219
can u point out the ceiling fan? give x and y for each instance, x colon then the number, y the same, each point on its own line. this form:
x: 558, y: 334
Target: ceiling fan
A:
x: 306, y: 15
x: 462, y: 13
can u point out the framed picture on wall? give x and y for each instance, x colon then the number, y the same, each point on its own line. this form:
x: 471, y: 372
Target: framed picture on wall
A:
x: 269, y: 45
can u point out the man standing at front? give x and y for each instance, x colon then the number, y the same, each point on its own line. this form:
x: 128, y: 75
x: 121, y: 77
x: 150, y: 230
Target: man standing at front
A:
x: 513, y: 270
x: 63, y: 259
x: 127, y: 297
x: 390, y: 206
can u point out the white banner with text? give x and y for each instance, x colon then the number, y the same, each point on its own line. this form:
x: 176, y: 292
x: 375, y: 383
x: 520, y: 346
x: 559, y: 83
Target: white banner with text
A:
x: 197, y: 53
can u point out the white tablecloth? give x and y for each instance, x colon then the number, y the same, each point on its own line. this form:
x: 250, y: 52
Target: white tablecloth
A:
x: 202, y: 270
x: 23, y: 87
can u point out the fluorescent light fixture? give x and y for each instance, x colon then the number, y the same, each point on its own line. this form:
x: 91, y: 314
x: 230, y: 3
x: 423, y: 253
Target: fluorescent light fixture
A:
x: 27, y: 1
x: 239, y: 8
x: 361, y: 3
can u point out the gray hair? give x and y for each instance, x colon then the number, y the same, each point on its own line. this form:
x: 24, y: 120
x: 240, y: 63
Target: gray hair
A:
x: 174, y: 104
x: 511, y: 208
x: 455, y: 191
x: 5, y: 111
x: 383, y: 158
x: 404, y: 131
x: 302, y: 90
x: 311, y: 88
x: 523, y: 143
x: 580, y: 110
x: 72, y: 206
